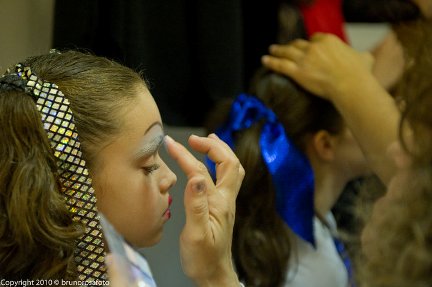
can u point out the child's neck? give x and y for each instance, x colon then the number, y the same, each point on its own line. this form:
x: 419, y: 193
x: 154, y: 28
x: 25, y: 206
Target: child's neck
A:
x: 328, y: 188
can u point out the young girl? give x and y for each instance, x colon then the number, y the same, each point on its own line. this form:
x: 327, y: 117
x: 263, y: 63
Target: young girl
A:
x: 285, y: 233
x: 75, y: 127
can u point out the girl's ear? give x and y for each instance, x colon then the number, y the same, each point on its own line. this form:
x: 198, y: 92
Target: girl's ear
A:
x: 323, y: 145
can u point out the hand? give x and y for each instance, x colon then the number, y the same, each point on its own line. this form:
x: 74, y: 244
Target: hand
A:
x: 323, y: 65
x: 205, y: 242
x: 389, y: 61
x: 425, y: 7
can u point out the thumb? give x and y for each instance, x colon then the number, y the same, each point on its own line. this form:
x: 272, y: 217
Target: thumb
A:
x: 196, y: 209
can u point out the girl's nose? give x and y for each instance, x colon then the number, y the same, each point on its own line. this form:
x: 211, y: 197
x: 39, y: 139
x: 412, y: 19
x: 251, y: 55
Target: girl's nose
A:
x: 168, y: 180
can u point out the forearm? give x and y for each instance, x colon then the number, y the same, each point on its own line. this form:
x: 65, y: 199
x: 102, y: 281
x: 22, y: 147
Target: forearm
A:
x: 389, y: 61
x: 373, y: 117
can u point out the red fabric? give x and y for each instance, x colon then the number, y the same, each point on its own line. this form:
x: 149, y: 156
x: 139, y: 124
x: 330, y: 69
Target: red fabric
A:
x: 324, y: 16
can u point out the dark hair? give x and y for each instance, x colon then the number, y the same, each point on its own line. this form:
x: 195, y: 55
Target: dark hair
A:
x: 37, y: 234
x: 262, y: 242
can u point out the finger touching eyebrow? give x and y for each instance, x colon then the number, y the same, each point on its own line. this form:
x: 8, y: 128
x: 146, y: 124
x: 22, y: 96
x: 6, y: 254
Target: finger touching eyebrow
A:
x: 150, y: 148
x: 152, y: 141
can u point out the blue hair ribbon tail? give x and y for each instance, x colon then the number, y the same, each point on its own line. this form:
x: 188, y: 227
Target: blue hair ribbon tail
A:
x: 291, y: 172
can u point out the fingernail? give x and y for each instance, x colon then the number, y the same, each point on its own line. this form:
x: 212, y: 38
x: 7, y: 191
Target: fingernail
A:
x: 213, y: 135
x: 199, y: 187
x: 265, y: 59
x: 273, y: 47
x: 167, y: 140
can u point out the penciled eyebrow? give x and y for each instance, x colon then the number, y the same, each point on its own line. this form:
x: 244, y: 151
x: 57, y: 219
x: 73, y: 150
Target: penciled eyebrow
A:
x: 152, y: 146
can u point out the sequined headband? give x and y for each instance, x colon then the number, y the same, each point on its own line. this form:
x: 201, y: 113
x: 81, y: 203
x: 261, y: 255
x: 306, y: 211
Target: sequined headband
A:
x: 290, y: 170
x: 58, y: 122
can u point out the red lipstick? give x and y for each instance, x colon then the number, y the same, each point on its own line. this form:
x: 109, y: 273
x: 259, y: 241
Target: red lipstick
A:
x: 167, y: 213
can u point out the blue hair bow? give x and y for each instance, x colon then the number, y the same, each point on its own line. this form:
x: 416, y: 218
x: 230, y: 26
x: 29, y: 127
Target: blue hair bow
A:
x: 290, y: 170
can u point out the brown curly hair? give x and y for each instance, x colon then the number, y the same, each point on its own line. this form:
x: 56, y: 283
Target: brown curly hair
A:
x: 404, y: 248
x: 37, y: 234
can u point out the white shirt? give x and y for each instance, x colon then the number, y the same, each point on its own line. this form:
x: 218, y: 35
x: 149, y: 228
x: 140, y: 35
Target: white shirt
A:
x: 320, y: 267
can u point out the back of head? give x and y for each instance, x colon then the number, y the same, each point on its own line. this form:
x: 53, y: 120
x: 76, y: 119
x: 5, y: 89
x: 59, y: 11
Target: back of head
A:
x: 262, y: 242
x: 37, y: 234
x: 300, y: 112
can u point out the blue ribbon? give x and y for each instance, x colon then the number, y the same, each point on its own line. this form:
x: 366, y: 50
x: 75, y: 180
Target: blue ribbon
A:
x: 291, y: 172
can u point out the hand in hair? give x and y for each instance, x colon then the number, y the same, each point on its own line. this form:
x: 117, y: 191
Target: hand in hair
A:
x: 323, y: 65
x: 331, y: 69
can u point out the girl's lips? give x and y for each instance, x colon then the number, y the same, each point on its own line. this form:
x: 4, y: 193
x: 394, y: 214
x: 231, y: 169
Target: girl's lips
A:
x: 167, y: 214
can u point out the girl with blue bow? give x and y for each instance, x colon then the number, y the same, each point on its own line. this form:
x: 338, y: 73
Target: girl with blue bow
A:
x: 298, y: 155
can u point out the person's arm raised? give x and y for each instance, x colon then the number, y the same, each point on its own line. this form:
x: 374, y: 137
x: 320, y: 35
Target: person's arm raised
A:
x: 205, y: 242
x: 329, y: 68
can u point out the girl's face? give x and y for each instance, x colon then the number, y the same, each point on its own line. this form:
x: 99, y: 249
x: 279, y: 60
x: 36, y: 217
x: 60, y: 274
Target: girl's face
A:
x: 131, y: 181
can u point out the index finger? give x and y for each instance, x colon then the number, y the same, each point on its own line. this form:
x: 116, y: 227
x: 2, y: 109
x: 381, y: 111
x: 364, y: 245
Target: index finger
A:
x: 229, y: 171
x: 187, y: 162
x: 280, y: 65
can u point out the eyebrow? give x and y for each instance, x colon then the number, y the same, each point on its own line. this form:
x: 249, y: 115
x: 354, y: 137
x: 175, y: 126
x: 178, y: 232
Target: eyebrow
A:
x: 151, y: 147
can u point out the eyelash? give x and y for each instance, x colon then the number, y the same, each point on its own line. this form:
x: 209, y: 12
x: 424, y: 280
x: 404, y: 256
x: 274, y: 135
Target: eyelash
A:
x: 150, y: 169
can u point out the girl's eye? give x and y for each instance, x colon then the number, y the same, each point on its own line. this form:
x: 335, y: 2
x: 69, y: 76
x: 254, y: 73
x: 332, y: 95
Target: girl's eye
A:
x: 151, y: 168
